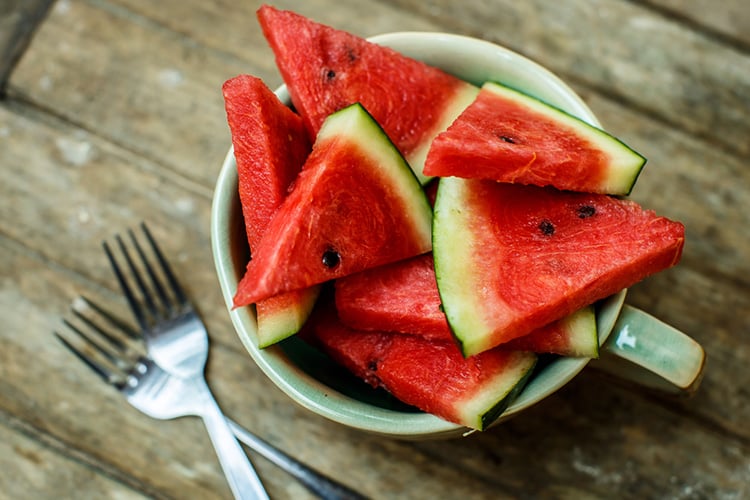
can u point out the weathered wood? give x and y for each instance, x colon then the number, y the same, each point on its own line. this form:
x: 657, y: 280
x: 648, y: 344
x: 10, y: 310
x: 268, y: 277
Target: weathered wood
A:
x: 731, y: 21
x: 574, y: 438
x: 114, y: 115
x: 18, y: 20
x: 51, y: 146
x: 154, y: 91
x: 649, y: 62
x: 30, y: 469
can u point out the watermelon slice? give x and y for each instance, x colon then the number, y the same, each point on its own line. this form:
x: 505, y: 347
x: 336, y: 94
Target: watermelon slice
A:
x: 430, y: 375
x: 270, y: 145
x: 512, y: 258
x: 355, y: 205
x: 399, y: 297
x: 508, y: 136
x: 327, y: 69
x: 403, y: 297
x: 574, y: 336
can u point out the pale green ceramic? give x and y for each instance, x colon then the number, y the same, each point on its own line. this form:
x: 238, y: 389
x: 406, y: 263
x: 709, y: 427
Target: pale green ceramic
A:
x: 657, y: 355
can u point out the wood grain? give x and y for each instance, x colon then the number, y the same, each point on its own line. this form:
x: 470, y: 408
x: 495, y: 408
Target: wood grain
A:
x: 113, y: 114
x: 650, y: 62
x: 18, y: 21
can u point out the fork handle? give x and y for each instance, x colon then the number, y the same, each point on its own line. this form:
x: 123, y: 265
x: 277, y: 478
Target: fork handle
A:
x: 243, y: 480
x: 317, y: 483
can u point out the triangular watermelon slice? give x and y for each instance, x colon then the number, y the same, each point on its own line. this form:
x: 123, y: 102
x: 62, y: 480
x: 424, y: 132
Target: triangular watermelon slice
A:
x: 355, y: 205
x: 508, y: 136
x: 403, y: 297
x: 512, y: 258
x: 327, y: 69
x: 430, y: 375
x: 270, y: 146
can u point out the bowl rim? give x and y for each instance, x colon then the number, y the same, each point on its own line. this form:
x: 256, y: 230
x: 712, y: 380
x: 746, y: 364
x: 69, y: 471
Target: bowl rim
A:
x: 323, y: 400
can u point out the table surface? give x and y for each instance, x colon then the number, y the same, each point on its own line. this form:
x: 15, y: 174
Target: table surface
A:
x: 111, y: 113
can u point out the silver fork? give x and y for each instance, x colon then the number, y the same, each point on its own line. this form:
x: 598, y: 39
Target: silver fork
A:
x: 174, y: 333
x: 162, y: 395
x: 177, y: 341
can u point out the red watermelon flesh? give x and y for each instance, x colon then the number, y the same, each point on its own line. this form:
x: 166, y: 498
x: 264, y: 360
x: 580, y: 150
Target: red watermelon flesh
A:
x: 399, y: 297
x: 508, y: 136
x: 430, y: 375
x: 403, y: 297
x: 327, y: 69
x: 518, y: 257
x: 270, y: 146
x: 355, y: 205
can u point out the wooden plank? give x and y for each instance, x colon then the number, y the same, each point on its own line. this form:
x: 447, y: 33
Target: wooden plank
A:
x: 29, y: 469
x: 729, y: 20
x: 202, y: 163
x: 591, y: 437
x: 579, y: 455
x: 65, y: 188
x: 651, y: 63
x: 84, y: 190
x: 153, y: 90
x: 691, y: 181
x: 119, y: 84
x: 674, y: 178
x: 18, y: 20
x: 234, y: 28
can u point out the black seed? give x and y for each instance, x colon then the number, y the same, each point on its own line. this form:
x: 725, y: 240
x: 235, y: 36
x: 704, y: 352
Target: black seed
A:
x: 352, y: 55
x: 586, y: 211
x: 372, y: 365
x: 331, y: 258
x: 507, y: 139
x: 330, y: 74
x: 547, y: 228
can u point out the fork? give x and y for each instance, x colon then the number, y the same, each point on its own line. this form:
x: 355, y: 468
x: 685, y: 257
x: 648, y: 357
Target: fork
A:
x: 177, y: 341
x: 175, y: 336
x: 164, y: 396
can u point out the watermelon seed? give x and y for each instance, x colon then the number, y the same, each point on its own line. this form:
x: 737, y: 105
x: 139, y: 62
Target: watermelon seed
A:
x: 331, y: 258
x: 507, y: 139
x: 547, y: 228
x: 373, y: 365
x: 330, y: 74
x: 586, y: 211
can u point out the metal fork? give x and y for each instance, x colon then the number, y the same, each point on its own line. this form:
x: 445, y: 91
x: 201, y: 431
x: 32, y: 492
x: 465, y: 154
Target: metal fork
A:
x: 162, y: 395
x: 177, y: 341
x: 174, y: 333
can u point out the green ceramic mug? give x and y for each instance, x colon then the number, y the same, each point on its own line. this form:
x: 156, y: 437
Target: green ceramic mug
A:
x: 634, y: 346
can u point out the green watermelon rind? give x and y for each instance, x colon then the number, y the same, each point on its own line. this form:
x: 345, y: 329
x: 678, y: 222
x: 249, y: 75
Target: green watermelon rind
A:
x: 626, y: 164
x: 584, y: 334
x: 481, y: 409
x: 361, y: 128
x: 284, y: 322
x: 450, y: 235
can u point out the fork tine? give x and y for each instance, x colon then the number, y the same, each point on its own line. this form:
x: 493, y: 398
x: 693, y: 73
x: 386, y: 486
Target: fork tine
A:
x: 155, y: 281
x: 113, y: 341
x: 173, y: 283
x: 110, y: 319
x: 148, y: 298
x: 96, y: 345
x: 135, y: 306
x: 105, y: 374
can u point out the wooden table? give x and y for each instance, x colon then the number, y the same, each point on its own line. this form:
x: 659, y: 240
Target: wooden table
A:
x: 111, y: 113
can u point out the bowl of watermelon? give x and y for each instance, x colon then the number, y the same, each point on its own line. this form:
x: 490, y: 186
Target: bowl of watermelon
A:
x: 372, y: 297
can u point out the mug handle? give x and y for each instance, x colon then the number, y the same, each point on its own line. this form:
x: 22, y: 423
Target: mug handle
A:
x: 646, y: 351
